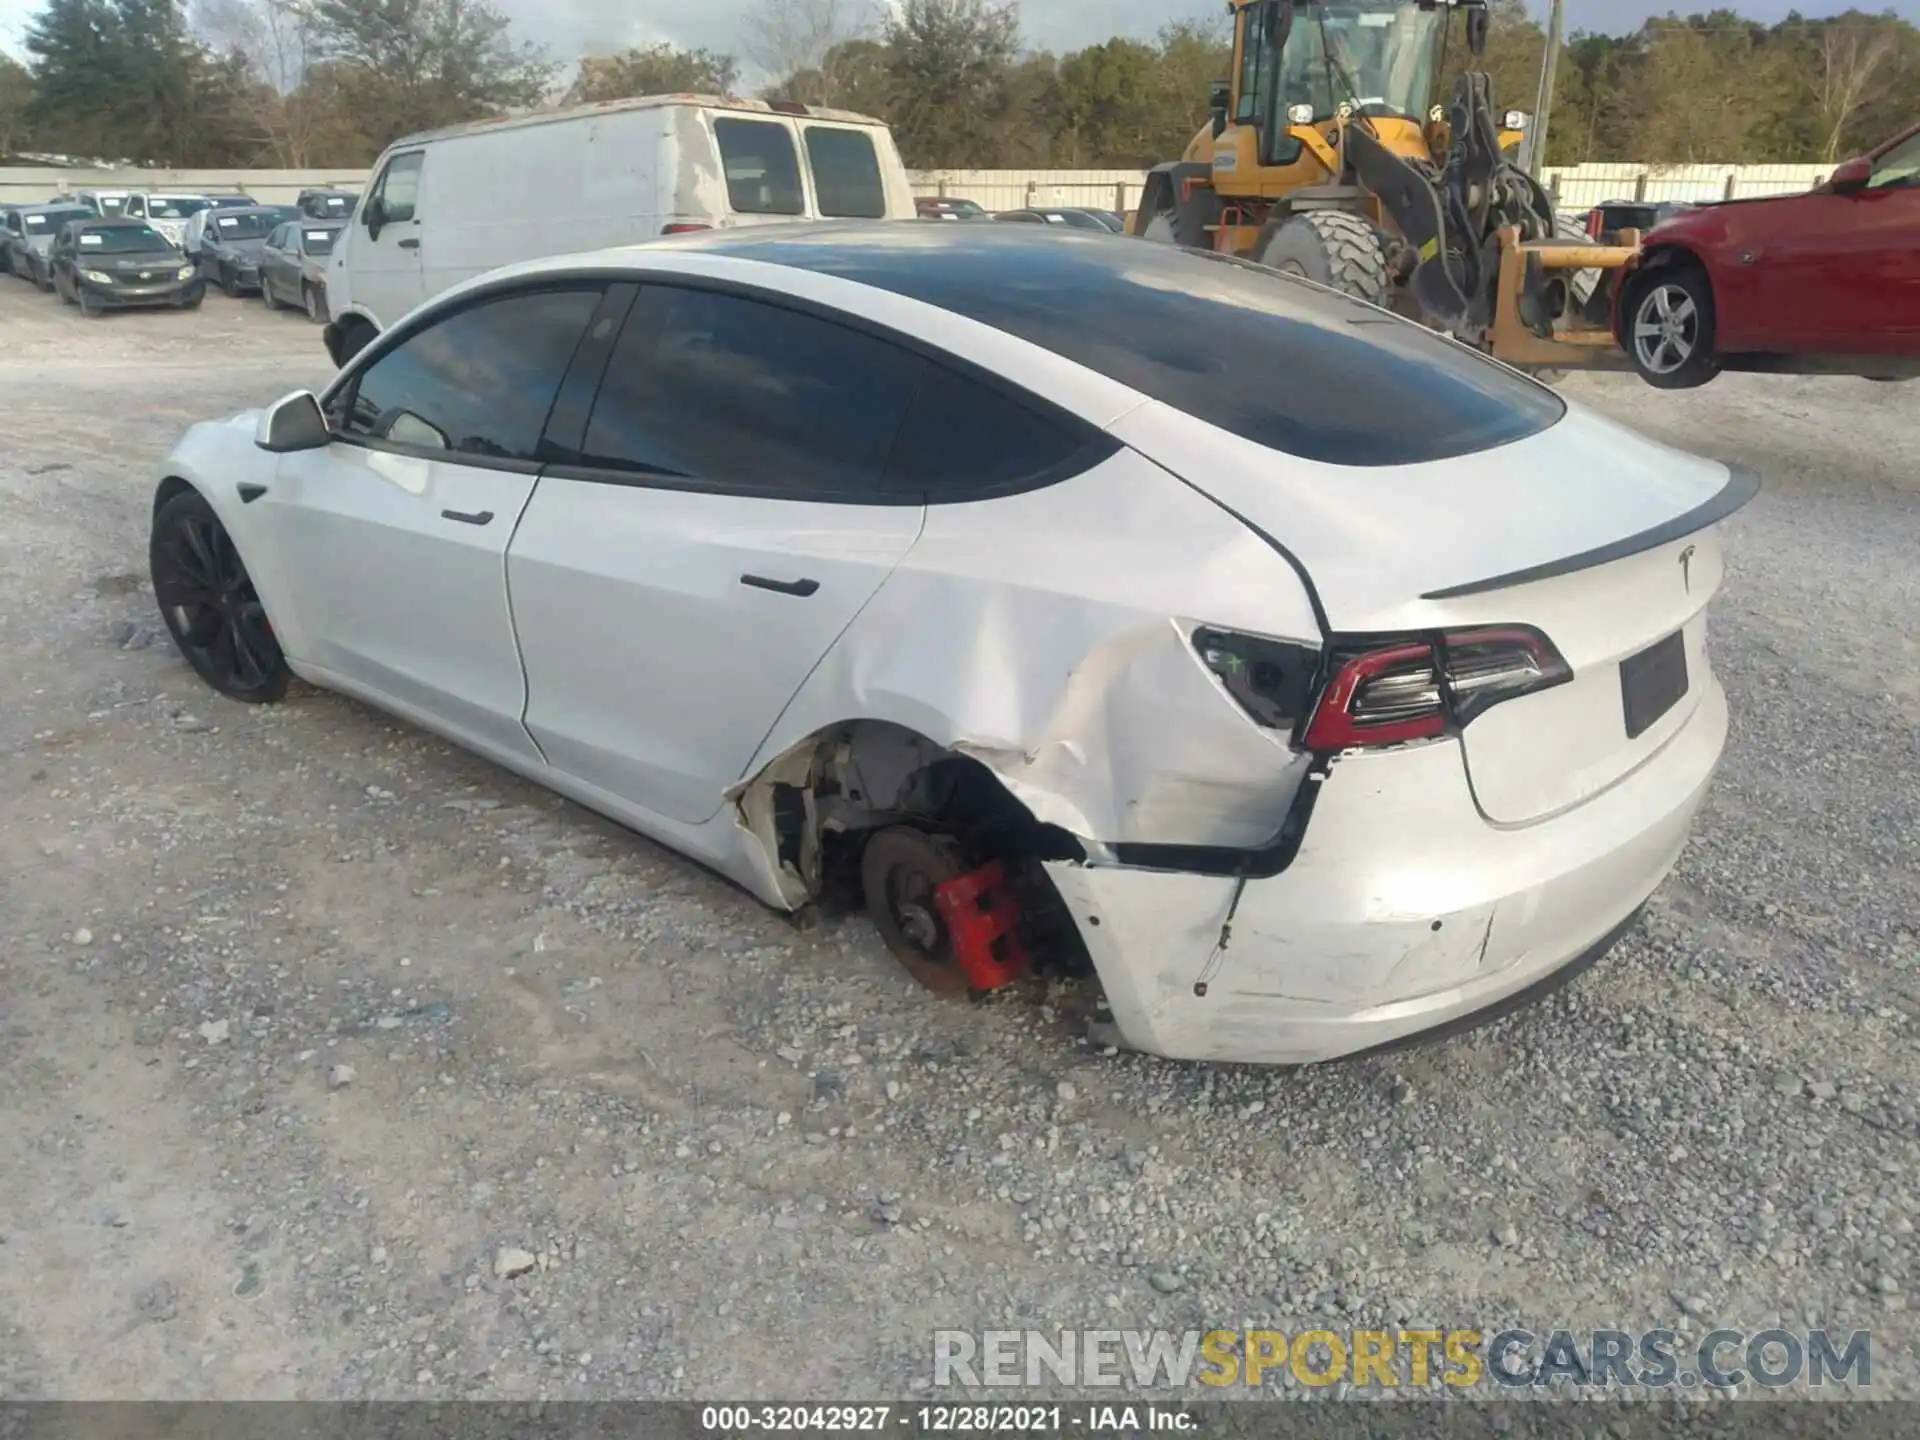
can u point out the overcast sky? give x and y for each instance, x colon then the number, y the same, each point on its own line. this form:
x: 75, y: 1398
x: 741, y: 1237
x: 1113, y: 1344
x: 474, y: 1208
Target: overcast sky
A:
x: 573, y: 27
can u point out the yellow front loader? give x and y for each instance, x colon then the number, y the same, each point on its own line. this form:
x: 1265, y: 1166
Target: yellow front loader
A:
x: 1324, y: 158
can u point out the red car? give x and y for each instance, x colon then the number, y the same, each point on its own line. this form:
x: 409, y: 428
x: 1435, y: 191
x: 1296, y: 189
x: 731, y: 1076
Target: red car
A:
x: 1822, y: 283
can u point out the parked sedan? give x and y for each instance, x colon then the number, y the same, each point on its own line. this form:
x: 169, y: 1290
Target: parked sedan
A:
x: 992, y: 573
x: 326, y: 204
x: 26, y: 238
x: 1075, y: 217
x: 197, y: 222
x: 232, y: 244
x: 1823, y: 282
x: 293, y: 266
x: 115, y: 264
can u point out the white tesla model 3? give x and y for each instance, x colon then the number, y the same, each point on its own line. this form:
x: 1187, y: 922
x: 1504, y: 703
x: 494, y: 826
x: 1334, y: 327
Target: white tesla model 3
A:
x: 1315, y: 680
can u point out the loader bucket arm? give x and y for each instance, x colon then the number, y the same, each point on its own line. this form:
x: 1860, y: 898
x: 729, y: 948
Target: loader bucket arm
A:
x: 1411, y: 201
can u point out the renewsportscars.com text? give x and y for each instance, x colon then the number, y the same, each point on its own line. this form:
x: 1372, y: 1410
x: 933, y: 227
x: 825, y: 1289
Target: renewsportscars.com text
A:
x: 1395, y: 1359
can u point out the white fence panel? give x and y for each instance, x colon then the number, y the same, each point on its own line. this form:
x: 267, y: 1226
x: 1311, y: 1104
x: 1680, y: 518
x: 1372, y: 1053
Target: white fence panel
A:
x: 1575, y: 188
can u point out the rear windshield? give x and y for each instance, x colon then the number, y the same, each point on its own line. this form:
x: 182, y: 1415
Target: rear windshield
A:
x: 329, y: 205
x: 175, y: 207
x: 233, y: 202
x: 317, y: 242
x: 111, y: 204
x: 246, y: 227
x: 1273, y: 359
x: 846, y: 173
x: 121, y: 240
x: 50, y: 220
x: 763, y: 173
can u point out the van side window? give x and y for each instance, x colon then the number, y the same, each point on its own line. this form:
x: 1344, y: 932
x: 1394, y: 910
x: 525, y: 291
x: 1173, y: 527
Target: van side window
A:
x: 725, y: 393
x: 399, y: 189
x: 846, y: 173
x: 763, y: 173
x: 479, y: 382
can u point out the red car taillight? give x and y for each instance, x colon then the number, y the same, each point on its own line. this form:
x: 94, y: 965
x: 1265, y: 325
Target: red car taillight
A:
x: 1413, y: 689
x: 682, y: 229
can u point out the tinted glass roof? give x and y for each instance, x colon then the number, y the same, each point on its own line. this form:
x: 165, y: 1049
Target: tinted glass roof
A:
x: 1276, y: 360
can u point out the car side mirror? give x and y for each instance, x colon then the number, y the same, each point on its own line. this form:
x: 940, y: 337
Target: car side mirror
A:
x: 1850, y: 176
x: 293, y: 423
x: 376, y: 217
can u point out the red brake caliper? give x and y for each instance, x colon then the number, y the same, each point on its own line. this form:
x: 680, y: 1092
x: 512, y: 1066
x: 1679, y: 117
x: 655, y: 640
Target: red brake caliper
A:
x: 983, y: 922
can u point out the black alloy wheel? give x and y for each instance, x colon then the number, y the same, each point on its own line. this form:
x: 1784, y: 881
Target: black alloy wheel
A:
x: 209, y: 604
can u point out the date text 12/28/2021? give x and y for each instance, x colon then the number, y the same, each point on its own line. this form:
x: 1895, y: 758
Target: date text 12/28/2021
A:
x: 1093, y: 1419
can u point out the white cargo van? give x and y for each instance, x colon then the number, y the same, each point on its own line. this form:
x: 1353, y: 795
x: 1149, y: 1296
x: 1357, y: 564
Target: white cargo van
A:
x: 454, y: 203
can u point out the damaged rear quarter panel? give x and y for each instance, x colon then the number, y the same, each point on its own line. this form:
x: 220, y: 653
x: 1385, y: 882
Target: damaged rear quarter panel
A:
x: 1045, y: 635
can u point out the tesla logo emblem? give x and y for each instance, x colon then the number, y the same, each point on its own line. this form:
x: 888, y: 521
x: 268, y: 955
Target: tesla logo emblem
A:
x: 1686, y: 568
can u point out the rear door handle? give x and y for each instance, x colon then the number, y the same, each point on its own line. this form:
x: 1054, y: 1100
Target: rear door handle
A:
x: 413, y: 244
x: 802, y: 587
x: 478, y: 517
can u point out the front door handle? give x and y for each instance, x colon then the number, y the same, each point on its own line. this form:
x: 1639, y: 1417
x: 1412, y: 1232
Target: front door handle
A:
x: 478, y: 517
x: 412, y: 244
x: 802, y: 587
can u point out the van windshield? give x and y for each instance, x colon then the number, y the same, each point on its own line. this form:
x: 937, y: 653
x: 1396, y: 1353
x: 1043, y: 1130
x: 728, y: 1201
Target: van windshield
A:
x: 846, y: 173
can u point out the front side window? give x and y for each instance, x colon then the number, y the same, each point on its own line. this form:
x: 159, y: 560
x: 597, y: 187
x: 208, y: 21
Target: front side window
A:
x: 763, y: 173
x: 737, y: 394
x: 846, y: 173
x: 478, y: 383
x: 399, y: 191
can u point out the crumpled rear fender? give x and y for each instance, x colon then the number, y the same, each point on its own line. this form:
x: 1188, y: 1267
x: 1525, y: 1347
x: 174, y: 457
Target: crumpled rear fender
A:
x: 1047, y: 635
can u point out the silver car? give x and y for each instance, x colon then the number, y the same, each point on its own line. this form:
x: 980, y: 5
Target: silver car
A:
x: 26, y: 235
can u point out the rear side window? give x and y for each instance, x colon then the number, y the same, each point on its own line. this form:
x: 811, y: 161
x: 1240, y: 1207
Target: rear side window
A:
x: 479, y: 382
x: 846, y: 173
x: 736, y: 394
x: 962, y: 437
x: 1275, y: 360
x: 763, y: 173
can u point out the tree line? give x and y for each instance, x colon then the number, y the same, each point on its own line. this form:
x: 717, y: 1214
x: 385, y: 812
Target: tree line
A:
x: 328, y: 83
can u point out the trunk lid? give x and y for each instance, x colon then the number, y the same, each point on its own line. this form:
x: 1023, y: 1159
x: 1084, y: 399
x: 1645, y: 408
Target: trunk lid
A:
x: 1605, y: 542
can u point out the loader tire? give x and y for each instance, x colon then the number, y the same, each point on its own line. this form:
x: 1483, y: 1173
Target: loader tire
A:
x: 1333, y: 248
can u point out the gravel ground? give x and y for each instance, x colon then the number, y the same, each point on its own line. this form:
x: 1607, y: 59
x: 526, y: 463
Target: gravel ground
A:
x: 305, y: 1017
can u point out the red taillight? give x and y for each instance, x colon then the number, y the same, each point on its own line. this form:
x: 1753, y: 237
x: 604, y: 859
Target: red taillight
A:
x: 1413, y: 689
x: 1593, y: 224
x: 683, y: 228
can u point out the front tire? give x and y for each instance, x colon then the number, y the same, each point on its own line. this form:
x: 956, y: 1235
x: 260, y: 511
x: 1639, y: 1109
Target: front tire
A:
x: 267, y: 297
x: 209, y: 605
x: 316, y: 307
x: 1332, y: 248
x: 89, y: 307
x: 1667, y: 326
x: 229, y: 283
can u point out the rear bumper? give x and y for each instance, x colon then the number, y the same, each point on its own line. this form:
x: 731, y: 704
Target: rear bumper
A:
x: 1404, y: 912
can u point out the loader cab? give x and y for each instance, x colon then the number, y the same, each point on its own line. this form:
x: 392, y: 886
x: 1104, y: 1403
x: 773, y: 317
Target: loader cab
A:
x: 1302, y: 62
